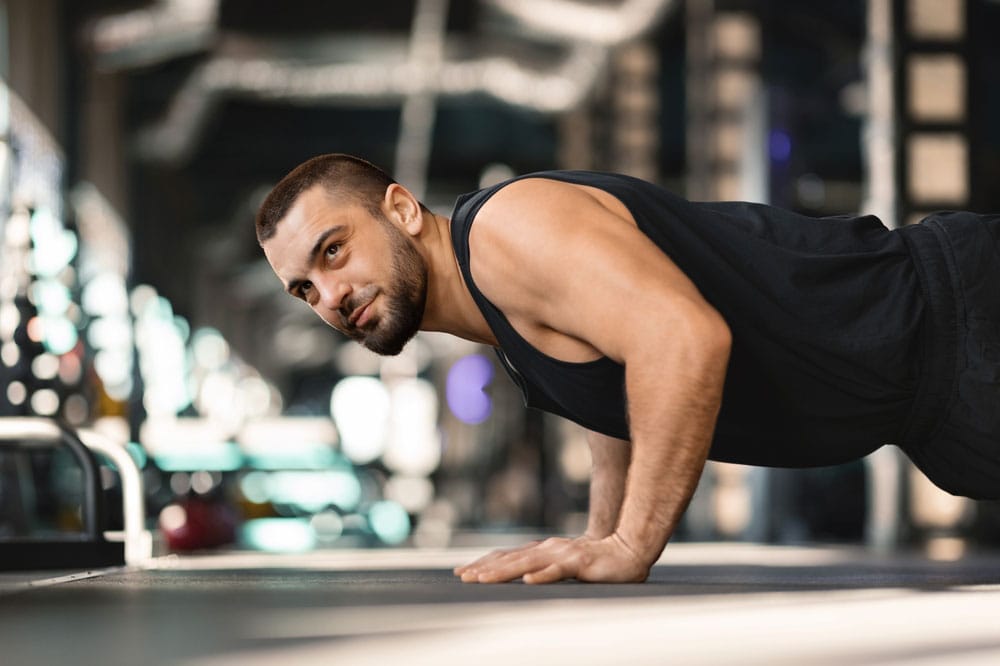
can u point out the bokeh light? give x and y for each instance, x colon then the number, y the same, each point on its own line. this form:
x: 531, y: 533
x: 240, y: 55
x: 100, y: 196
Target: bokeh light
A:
x: 45, y: 366
x: 50, y: 296
x: 10, y: 319
x: 328, y: 526
x: 173, y: 517
x: 58, y: 333
x: 105, y: 296
x: 110, y: 333
x: 253, y: 485
x: 114, y: 367
x: 780, y: 145
x: 53, y: 246
x: 210, y: 349
x: 414, y: 446
x: 219, y: 457
x: 389, y: 521
x: 76, y: 409
x: 308, y: 490
x: 413, y: 493
x: 17, y: 393
x: 202, y: 482
x: 286, y: 442
x: 279, y: 535
x: 160, y: 338
x: 465, y: 392
x: 360, y: 408
x: 70, y: 368
x: 45, y: 402
x: 314, y: 491
x: 10, y: 353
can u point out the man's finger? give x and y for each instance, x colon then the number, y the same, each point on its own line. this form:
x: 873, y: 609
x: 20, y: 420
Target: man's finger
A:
x: 514, y: 566
x: 550, y: 574
x: 485, y: 559
x: 483, y: 572
x: 501, y: 572
x: 490, y: 558
x: 507, y: 565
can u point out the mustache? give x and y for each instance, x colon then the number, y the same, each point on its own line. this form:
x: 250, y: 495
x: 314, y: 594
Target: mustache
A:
x: 355, y: 301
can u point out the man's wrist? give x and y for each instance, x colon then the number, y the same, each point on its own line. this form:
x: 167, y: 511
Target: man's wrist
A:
x: 646, y: 545
x: 640, y: 561
x: 593, y: 533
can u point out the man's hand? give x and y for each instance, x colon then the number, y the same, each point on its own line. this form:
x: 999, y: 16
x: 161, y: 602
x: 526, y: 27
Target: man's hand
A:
x: 607, y: 560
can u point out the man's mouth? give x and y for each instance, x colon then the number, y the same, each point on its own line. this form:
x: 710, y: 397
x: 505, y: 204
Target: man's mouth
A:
x: 360, y: 315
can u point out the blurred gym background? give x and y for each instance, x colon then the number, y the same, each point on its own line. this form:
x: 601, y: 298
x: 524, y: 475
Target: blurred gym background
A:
x: 137, y: 138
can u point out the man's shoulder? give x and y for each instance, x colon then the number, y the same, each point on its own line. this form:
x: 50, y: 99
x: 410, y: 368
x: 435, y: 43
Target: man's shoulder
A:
x: 527, y: 188
x: 514, y: 240
x: 534, y: 199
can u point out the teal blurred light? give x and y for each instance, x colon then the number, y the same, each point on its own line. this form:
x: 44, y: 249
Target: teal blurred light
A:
x: 59, y: 335
x: 221, y: 457
x: 278, y: 535
x: 51, y: 297
x: 138, y: 453
x: 135, y: 451
x: 295, y: 455
x: 389, y: 521
x: 53, y: 246
x: 307, y: 490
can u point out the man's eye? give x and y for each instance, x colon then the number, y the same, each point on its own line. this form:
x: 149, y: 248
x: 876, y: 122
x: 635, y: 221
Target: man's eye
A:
x: 304, y: 288
x: 333, y: 250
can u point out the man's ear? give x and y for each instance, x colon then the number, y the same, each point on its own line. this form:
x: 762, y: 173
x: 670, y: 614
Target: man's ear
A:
x: 403, y: 209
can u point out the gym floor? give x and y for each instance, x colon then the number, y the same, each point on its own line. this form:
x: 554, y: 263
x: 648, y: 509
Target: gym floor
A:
x: 703, y: 604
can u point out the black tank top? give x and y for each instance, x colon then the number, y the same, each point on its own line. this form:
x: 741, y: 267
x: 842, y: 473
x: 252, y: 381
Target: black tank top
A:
x: 826, y: 316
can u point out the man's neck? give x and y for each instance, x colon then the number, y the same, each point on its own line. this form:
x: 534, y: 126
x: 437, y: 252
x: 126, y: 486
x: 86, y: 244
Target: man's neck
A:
x: 450, y: 307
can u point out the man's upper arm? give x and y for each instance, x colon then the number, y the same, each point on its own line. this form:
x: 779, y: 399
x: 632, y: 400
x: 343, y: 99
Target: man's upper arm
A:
x: 550, y: 252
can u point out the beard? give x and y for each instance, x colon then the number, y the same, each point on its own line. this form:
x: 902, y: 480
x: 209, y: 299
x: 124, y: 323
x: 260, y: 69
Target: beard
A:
x: 405, y: 299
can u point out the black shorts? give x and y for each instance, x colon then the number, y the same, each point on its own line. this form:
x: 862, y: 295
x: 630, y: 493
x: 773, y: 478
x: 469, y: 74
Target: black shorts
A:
x: 953, y: 435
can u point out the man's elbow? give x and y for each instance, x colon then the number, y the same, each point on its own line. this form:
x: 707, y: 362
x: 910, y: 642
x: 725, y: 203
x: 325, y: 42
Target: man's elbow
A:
x: 709, y: 341
x: 699, y: 339
x: 717, y: 337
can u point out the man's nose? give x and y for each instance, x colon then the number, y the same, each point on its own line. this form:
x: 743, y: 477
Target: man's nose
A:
x: 333, y: 294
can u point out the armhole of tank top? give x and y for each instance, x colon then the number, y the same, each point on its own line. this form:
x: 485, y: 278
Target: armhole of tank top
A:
x: 473, y: 204
x: 465, y: 214
x: 508, y: 335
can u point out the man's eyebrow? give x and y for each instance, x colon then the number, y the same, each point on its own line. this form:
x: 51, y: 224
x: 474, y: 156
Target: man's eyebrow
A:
x: 313, y: 253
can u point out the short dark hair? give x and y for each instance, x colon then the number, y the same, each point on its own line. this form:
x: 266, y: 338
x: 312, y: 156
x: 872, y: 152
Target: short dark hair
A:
x: 341, y: 174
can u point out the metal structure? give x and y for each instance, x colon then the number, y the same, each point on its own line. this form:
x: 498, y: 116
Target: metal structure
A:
x: 884, y: 467
x: 933, y: 114
x: 934, y: 159
x: 20, y: 436
x: 412, y: 73
x: 726, y: 153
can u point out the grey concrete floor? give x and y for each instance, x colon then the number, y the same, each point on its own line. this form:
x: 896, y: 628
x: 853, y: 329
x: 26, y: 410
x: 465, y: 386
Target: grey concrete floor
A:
x: 704, y: 604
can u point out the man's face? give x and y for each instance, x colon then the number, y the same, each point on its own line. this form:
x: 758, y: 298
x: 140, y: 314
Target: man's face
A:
x: 359, y: 272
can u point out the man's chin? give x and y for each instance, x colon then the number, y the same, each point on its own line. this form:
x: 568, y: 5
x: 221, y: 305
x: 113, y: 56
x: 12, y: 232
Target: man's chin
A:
x: 385, y: 351
x: 386, y: 347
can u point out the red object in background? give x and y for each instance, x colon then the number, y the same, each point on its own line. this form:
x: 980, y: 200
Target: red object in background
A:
x: 195, y: 523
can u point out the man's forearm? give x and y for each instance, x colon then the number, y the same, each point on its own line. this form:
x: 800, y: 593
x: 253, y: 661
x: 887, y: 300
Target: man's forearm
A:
x: 610, y: 459
x: 673, y: 406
